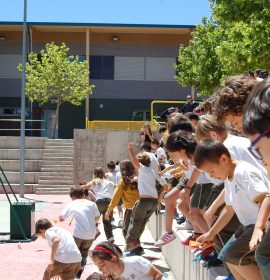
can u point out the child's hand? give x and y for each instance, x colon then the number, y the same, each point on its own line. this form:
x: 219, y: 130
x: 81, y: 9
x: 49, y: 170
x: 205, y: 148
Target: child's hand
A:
x: 256, y: 238
x: 131, y: 146
x: 208, y: 236
x: 50, y: 267
x: 209, y: 214
x: 107, y: 215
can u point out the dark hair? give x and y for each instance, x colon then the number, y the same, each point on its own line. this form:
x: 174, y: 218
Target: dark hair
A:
x: 262, y: 73
x: 162, y: 129
x: 76, y: 191
x: 155, y: 142
x: 233, y: 96
x: 256, y: 117
x: 192, y: 116
x: 128, y: 171
x: 181, y: 140
x: 117, y: 162
x: 181, y: 125
x: 111, y: 165
x: 176, y: 118
x: 42, y: 224
x: 144, y: 159
x: 146, y: 146
x: 106, y: 250
x: 209, y: 151
x: 99, y: 173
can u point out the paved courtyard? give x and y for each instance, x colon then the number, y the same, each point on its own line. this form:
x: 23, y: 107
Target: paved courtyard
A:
x: 27, y: 261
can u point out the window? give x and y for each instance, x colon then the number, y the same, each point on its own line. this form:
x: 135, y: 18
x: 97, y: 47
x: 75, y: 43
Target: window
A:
x: 129, y: 68
x: 101, y: 67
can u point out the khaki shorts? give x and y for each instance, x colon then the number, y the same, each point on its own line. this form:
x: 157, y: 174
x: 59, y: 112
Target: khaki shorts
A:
x: 66, y: 271
x: 83, y: 245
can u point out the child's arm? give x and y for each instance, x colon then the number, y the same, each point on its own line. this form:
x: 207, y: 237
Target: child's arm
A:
x: 210, y: 212
x: 161, y: 173
x: 55, y: 244
x: 259, y: 228
x: 132, y: 156
x: 223, y: 219
x: 155, y: 273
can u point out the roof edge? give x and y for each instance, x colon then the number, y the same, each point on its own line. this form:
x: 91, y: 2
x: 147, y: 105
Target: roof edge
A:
x: 97, y: 24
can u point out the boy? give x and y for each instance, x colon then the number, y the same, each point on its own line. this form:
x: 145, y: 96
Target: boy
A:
x: 256, y: 124
x: 86, y: 215
x: 245, y: 188
x: 159, y: 151
x: 65, y: 258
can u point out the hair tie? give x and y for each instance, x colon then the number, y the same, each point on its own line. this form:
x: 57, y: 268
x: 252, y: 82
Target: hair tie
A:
x: 103, y: 250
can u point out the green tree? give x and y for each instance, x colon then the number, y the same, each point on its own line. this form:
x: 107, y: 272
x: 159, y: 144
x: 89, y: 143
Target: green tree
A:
x: 234, y: 40
x: 56, y: 78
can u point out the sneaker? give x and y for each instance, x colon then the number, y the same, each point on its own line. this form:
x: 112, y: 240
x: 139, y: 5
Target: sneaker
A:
x: 138, y: 251
x: 120, y: 223
x: 185, y: 226
x: 229, y: 277
x: 190, y: 238
x: 164, y: 239
x: 181, y: 220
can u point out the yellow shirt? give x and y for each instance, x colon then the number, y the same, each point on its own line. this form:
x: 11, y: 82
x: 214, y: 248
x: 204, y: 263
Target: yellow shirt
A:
x: 129, y: 196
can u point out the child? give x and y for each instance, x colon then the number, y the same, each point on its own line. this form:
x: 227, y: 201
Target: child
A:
x: 159, y: 151
x: 103, y: 189
x: 230, y: 100
x: 256, y: 124
x: 115, y: 177
x: 86, y: 215
x: 65, y: 260
x: 126, y: 190
x: 245, y: 188
x: 109, y: 259
x: 148, y: 174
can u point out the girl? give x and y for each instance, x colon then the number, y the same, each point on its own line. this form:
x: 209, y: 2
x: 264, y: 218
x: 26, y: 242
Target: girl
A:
x: 109, y: 259
x: 126, y: 189
x: 148, y: 174
x: 146, y: 134
x: 103, y: 189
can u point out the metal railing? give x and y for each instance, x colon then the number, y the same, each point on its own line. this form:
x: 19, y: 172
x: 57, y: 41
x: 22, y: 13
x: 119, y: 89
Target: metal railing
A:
x: 118, y: 125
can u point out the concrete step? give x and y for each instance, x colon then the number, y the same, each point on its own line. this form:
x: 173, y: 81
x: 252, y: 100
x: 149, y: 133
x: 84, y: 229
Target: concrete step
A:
x: 13, y: 142
x: 63, y: 147
x: 57, y: 154
x: 58, y: 143
x: 60, y: 140
x: 58, y: 151
x: 56, y: 158
x: 14, y: 165
x: 54, y: 191
x: 59, y: 181
x: 55, y: 176
x: 57, y: 162
x: 49, y: 168
x: 28, y: 188
x: 15, y: 153
x: 29, y: 177
x: 60, y: 186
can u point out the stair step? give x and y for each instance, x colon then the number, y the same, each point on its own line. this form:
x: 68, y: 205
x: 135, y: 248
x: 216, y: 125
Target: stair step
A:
x: 62, y: 173
x: 59, y: 181
x: 67, y: 186
x: 59, y: 151
x: 46, y: 177
x: 54, y: 157
x: 49, y: 168
x: 63, y: 147
x: 57, y: 162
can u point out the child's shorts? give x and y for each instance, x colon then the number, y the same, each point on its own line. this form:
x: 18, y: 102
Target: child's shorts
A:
x: 64, y: 270
x: 200, y: 195
x: 237, y: 251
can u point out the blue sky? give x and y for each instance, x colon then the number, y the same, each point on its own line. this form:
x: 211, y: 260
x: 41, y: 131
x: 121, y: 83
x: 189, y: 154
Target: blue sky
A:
x: 156, y: 12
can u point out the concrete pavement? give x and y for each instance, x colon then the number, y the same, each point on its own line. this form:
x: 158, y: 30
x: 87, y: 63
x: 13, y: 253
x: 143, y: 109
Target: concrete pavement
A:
x: 27, y: 261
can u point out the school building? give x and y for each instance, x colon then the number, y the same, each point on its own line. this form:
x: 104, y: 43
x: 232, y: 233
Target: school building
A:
x: 130, y: 65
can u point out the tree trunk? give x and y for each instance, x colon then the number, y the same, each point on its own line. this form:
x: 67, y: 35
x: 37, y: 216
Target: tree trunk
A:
x: 56, y: 118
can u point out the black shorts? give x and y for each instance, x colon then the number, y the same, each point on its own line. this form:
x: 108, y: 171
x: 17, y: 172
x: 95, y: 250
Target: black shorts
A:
x: 200, y: 195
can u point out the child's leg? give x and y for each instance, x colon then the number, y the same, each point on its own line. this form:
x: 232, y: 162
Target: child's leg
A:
x: 126, y: 222
x: 199, y: 197
x: 238, y: 256
x: 262, y: 255
x: 245, y: 272
x: 102, y: 205
x: 137, y: 221
x: 58, y: 269
x: 170, y: 201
